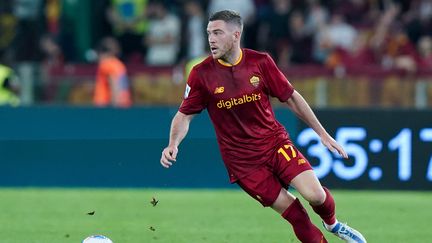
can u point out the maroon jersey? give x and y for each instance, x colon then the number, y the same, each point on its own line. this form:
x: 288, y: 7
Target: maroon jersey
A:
x: 237, y: 100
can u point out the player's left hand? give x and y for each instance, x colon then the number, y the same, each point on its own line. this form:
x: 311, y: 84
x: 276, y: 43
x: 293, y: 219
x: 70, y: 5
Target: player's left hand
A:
x: 333, y: 146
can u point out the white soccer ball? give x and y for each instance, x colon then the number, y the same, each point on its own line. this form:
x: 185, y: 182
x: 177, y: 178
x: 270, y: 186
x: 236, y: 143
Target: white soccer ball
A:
x: 97, y: 239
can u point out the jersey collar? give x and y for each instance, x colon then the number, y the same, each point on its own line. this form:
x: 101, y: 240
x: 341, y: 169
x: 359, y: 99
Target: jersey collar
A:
x: 226, y: 64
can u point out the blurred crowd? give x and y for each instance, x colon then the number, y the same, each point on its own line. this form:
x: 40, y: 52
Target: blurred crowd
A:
x: 350, y: 33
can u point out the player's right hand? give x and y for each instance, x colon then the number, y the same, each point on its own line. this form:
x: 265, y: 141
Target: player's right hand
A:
x: 169, y: 155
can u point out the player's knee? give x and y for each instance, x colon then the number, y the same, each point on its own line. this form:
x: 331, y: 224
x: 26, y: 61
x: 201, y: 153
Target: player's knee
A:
x: 317, y: 197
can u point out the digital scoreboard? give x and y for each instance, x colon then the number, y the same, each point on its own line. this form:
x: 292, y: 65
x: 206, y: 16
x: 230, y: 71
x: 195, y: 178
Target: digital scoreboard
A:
x: 387, y: 149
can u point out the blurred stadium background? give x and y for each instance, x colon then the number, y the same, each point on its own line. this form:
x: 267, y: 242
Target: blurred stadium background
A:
x: 365, y: 66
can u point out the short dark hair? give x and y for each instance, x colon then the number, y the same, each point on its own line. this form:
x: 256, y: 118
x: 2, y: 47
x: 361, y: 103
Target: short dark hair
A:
x: 108, y: 45
x: 229, y: 16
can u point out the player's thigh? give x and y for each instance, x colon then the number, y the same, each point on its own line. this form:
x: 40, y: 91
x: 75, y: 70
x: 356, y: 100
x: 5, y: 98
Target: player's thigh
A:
x: 293, y: 169
x: 289, y: 162
x: 308, y: 185
x: 262, y: 185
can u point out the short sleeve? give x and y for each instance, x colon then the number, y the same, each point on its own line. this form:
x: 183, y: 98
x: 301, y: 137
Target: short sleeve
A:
x: 276, y: 83
x: 195, y: 96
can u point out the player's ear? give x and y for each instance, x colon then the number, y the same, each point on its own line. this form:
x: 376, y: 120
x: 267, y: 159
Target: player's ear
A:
x: 237, y: 35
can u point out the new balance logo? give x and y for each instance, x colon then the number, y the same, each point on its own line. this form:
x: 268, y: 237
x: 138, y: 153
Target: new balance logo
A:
x: 301, y: 161
x: 219, y: 90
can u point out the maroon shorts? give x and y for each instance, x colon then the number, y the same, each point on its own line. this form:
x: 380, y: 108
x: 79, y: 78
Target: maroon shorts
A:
x: 265, y: 183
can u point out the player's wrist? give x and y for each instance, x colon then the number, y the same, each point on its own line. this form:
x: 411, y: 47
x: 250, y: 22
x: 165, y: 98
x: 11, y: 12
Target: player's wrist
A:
x: 173, y: 145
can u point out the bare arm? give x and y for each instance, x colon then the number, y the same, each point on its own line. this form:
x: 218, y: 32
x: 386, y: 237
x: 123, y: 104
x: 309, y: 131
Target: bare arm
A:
x: 302, y: 109
x: 179, y: 129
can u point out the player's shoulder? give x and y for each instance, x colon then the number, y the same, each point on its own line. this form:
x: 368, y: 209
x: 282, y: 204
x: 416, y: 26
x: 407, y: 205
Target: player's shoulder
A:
x: 204, y: 64
x: 249, y: 53
x: 199, y: 70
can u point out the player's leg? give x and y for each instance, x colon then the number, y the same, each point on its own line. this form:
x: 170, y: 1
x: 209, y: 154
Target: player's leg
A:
x: 292, y: 168
x: 293, y: 211
x: 263, y: 186
x: 322, y: 202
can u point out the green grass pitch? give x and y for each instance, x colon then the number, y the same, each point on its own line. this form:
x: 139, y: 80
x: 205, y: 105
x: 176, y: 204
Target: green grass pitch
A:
x: 196, y: 216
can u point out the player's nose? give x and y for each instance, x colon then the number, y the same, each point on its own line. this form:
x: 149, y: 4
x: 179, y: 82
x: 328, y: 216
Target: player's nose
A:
x: 211, y: 39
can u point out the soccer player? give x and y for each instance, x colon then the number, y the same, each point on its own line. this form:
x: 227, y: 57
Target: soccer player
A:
x: 234, y: 85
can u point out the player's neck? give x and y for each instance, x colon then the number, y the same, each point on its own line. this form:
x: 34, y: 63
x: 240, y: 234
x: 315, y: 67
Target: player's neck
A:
x: 232, y: 58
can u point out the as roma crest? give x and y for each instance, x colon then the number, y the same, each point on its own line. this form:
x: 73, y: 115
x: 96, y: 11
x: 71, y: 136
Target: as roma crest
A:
x: 254, y: 81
